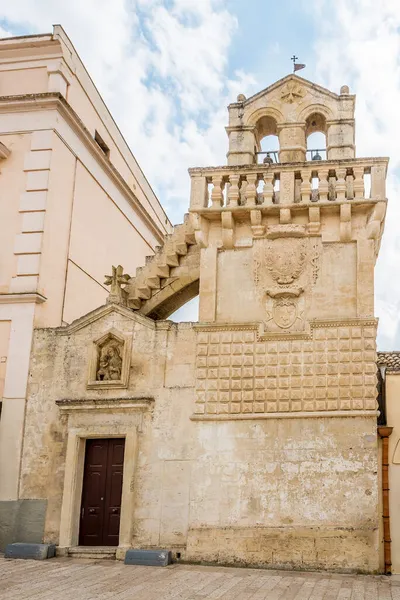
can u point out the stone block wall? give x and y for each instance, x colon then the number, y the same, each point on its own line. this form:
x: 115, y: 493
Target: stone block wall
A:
x: 279, y: 489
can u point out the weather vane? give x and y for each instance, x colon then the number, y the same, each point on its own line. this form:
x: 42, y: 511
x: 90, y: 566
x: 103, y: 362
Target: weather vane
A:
x: 296, y: 66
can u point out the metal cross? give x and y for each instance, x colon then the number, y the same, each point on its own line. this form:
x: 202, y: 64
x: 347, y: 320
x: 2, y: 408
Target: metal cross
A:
x: 294, y: 58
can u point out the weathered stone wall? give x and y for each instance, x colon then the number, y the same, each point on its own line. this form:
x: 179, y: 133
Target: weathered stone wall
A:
x: 290, y: 491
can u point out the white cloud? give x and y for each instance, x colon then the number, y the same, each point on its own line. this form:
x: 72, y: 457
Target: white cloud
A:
x: 162, y: 72
x: 359, y: 44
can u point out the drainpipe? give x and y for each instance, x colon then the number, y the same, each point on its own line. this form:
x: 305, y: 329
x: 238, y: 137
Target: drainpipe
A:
x: 384, y: 433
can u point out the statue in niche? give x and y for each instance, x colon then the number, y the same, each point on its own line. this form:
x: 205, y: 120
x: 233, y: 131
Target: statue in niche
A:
x: 110, y: 363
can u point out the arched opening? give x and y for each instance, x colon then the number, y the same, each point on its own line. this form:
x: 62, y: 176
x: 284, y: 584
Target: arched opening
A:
x: 316, y: 137
x: 267, y: 141
x: 188, y: 312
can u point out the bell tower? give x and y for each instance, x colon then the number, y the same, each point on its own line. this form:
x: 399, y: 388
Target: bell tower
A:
x: 287, y: 328
x: 291, y: 108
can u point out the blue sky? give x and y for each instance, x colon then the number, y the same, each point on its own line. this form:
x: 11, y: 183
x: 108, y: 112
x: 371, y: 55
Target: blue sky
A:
x: 168, y: 68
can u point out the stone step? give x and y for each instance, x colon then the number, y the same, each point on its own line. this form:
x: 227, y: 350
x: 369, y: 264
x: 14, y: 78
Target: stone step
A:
x: 93, y: 552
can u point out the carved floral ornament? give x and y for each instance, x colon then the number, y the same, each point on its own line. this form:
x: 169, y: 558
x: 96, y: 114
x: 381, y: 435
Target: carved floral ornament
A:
x: 109, y: 361
x: 292, y: 92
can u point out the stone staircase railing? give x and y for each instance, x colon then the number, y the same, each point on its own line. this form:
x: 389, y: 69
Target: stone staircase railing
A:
x: 149, y: 278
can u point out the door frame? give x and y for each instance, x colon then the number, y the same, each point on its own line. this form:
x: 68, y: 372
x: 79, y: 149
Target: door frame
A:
x: 73, y: 481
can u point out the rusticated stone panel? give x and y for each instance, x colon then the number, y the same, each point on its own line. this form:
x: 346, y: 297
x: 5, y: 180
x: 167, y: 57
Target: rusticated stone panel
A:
x: 239, y: 374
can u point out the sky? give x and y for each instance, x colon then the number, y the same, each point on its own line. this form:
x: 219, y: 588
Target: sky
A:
x: 167, y: 69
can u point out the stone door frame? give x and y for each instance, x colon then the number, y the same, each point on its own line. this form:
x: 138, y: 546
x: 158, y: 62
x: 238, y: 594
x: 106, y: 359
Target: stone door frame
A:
x: 73, y: 481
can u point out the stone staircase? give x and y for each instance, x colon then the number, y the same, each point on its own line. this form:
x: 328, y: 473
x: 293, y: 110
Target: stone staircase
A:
x: 149, y: 278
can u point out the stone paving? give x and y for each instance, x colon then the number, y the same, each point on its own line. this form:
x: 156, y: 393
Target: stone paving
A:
x: 65, y: 579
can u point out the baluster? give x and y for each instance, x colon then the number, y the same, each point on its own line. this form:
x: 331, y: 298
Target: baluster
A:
x: 233, y: 192
x: 217, y: 197
x: 251, y: 189
x: 323, y: 175
x: 341, y: 184
x: 358, y: 184
x: 305, y: 185
x: 349, y: 186
x: 268, y: 190
x: 332, y: 188
x: 297, y: 190
x: 243, y: 189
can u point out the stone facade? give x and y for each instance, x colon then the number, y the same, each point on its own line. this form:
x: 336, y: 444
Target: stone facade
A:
x: 251, y: 435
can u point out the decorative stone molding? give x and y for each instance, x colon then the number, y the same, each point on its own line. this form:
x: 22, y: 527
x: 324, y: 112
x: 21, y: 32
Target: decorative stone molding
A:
x: 22, y: 298
x: 88, y: 404
x: 109, y: 361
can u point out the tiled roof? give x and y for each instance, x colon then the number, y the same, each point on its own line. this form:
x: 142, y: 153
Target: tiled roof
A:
x: 390, y: 360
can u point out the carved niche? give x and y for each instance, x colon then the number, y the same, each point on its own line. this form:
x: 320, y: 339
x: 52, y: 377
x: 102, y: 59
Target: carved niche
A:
x: 286, y: 265
x: 109, y: 361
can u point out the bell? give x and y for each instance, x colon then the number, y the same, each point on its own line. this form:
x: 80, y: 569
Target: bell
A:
x: 268, y: 160
x: 317, y: 157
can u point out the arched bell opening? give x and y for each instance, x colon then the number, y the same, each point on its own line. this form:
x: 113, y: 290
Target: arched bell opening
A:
x: 267, y: 140
x: 316, y: 132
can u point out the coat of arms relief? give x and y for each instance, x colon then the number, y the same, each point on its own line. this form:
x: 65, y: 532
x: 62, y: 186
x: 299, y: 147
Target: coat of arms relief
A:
x: 286, y: 266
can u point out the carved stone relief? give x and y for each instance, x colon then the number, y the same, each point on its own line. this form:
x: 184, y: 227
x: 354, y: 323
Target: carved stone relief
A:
x: 109, y: 361
x: 286, y: 265
x: 292, y: 92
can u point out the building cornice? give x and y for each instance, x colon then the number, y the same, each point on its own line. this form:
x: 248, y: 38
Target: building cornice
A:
x: 55, y: 101
x: 22, y: 298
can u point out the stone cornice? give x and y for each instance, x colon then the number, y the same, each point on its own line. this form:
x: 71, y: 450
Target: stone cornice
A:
x: 22, y: 298
x: 53, y: 100
x: 355, y: 322
x: 287, y: 78
x: 289, y: 166
x: 139, y: 403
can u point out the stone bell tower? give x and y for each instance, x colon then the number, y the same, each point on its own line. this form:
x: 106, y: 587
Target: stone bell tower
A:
x: 287, y: 328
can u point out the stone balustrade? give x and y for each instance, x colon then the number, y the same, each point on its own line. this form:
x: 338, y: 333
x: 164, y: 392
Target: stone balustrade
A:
x: 285, y: 184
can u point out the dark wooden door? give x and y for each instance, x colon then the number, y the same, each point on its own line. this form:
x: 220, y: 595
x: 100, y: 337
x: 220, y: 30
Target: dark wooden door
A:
x: 101, y: 492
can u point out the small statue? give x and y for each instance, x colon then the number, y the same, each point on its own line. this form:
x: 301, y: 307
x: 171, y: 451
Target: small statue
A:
x: 114, y: 363
x: 102, y: 372
x: 110, y: 364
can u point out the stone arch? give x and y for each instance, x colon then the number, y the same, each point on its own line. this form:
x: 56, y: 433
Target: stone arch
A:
x: 320, y: 109
x: 265, y: 122
x: 253, y: 118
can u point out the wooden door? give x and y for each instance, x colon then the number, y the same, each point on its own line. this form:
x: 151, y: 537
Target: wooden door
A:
x: 101, y: 492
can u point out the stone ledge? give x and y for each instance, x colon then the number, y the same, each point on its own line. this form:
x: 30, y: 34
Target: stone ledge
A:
x: 139, y: 403
x: 282, y: 415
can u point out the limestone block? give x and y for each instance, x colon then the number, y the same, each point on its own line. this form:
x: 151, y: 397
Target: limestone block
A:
x: 28, y: 264
x: 33, y: 201
x: 33, y: 222
x: 36, y: 161
x: 28, y: 243
x: 37, y: 180
x: 42, y: 139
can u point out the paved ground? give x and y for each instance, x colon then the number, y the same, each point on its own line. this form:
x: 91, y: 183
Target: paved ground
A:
x: 73, y: 579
